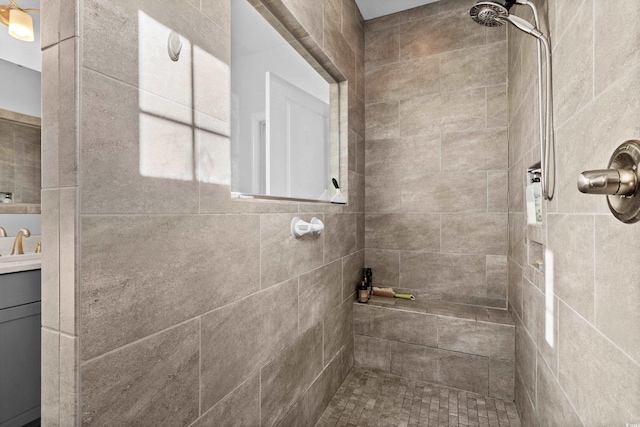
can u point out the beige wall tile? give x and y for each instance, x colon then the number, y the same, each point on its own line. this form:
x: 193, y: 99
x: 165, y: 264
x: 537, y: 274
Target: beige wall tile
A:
x: 50, y: 378
x: 339, y: 236
x: 433, y: 193
x: 443, y: 273
x: 385, y: 266
x: 50, y: 223
x: 403, y: 231
x: 382, y: 121
x: 497, y: 106
x: 337, y: 330
x: 238, y: 339
x: 483, y: 233
x: 320, y: 291
x: 615, y: 51
x: 471, y: 337
x: 352, y: 273
x: 571, y: 240
x: 401, y: 157
x: 497, y: 183
x: 474, y: 66
x: 402, y: 80
x: 415, y: 328
x: 381, y: 47
x: 501, y: 379
x: 114, y: 275
x: 429, y: 36
x: 452, y: 369
x: 166, y: 394
x: 617, y: 291
x: 285, y: 379
x: 554, y: 407
x: 497, y: 276
x: 241, y: 406
x: 283, y: 256
x: 475, y: 150
x: 310, y: 407
x: 590, y: 365
x: 372, y: 353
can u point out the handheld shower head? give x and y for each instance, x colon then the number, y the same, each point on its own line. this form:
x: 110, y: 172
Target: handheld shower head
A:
x: 489, y: 13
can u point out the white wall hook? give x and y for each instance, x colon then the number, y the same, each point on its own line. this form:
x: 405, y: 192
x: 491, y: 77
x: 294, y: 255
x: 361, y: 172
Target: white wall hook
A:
x: 300, y: 228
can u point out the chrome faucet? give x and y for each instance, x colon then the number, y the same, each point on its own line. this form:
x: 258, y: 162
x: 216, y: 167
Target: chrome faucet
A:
x: 17, y: 245
x: 3, y: 232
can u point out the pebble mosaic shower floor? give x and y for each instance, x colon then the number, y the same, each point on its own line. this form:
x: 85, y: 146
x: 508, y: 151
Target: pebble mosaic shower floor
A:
x: 369, y: 398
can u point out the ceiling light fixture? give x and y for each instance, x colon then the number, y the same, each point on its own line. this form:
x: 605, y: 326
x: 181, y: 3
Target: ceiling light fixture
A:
x: 18, y: 20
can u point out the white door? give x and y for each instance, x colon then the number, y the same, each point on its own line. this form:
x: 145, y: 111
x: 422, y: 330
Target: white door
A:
x: 297, y: 145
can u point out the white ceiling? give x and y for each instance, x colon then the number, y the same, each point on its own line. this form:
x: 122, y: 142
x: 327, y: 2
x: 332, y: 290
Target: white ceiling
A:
x: 374, y: 8
x: 25, y: 54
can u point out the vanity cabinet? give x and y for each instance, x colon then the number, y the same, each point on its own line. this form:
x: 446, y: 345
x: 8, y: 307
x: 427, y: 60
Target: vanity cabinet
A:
x: 19, y: 348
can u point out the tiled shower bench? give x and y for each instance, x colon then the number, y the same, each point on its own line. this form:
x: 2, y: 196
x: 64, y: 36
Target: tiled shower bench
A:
x: 465, y: 347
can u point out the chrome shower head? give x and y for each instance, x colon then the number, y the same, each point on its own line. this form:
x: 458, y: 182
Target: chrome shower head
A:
x: 489, y: 13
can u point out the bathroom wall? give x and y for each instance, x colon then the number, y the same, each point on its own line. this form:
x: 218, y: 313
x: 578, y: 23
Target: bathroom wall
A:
x: 164, y: 301
x: 436, y: 154
x: 578, y: 328
x: 23, y: 94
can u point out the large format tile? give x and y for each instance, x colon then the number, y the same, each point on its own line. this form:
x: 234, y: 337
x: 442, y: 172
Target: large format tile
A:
x: 452, y: 369
x: 239, y: 338
x: 429, y: 36
x: 284, y: 379
x: 396, y: 325
x: 484, y: 339
x: 589, y: 365
x: 400, y: 157
x: 473, y: 67
x: 554, y: 409
x: 403, y: 231
x: 352, y: 273
x: 382, y: 121
x: 240, y: 407
x: 50, y: 378
x: 119, y: 388
x: 113, y: 158
x: 501, y: 379
x: 475, y: 150
x: 573, y: 64
x: 385, y: 265
x: 339, y: 236
x: 283, y: 256
x: 381, y: 47
x: 114, y: 275
x: 615, y: 51
x: 571, y: 244
x: 320, y: 291
x: 337, y: 330
x: 450, y: 273
x: 617, y: 291
x: 475, y: 233
x: 131, y: 55
x: 433, y: 193
x: 309, y: 408
x: 402, y: 80
x: 372, y: 353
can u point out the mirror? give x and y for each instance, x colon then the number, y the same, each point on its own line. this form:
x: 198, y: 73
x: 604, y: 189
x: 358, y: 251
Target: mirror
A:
x: 19, y: 159
x: 280, y: 115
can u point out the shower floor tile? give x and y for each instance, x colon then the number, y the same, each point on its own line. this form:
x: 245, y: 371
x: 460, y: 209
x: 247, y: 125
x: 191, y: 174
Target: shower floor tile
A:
x: 370, y: 398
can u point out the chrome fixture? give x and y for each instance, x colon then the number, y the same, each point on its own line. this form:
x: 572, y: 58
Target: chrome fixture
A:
x: 299, y: 227
x: 17, y: 244
x: 495, y: 14
x: 619, y: 182
x: 3, y: 232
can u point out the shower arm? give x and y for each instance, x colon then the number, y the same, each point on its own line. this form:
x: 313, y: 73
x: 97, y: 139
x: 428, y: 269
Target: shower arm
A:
x: 547, y: 129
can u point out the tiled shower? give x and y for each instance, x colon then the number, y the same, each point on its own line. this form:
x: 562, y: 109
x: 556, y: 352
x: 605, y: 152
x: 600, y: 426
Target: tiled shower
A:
x: 166, y: 303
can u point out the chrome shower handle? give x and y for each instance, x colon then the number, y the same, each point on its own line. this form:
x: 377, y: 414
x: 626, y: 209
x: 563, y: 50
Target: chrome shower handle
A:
x: 613, y: 182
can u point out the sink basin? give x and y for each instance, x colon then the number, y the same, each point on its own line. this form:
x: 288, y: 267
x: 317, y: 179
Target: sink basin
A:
x: 16, y: 263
